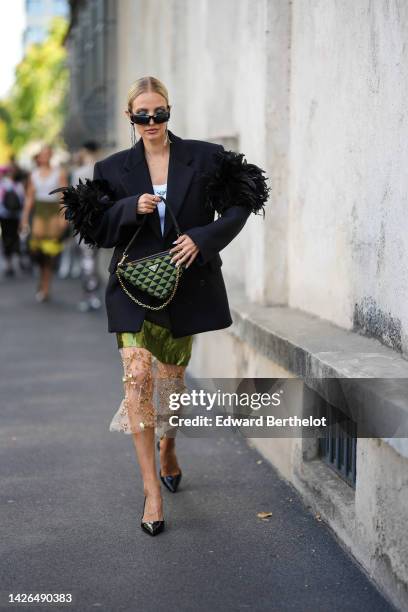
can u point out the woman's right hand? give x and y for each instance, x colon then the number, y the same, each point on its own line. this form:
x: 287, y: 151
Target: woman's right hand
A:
x: 147, y: 203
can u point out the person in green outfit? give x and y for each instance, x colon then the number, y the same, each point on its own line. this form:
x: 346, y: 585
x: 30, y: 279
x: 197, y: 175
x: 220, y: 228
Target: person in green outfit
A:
x: 152, y: 358
x: 197, y: 179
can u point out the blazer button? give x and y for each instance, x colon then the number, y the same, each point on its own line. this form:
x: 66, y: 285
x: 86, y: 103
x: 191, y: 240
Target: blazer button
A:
x: 202, y: 282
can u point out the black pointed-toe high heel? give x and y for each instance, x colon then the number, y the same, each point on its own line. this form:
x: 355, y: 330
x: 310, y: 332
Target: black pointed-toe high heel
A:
x: 170, y: 482
x: 151, y: 527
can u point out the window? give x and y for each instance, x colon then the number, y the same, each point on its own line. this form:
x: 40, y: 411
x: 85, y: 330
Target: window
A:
x: 339, y: 445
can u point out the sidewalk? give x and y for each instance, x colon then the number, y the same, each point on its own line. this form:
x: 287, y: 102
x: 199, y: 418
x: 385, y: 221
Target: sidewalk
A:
x: 71, y: 494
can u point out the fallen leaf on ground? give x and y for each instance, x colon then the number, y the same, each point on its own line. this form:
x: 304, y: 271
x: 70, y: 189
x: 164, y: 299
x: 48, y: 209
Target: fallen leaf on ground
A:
x: 264, y: 515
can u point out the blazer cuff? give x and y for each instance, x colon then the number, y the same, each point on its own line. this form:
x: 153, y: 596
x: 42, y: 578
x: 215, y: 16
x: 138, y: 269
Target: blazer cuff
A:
x: 130, y: 214
x: 196, y: 235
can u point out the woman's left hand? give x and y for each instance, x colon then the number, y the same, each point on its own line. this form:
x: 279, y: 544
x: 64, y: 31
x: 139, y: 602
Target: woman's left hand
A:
x: 185, y: 250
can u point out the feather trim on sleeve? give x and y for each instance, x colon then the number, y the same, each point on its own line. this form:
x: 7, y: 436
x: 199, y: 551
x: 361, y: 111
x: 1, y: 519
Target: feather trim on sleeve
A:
x: 235, y: 182
x: 84, y: 204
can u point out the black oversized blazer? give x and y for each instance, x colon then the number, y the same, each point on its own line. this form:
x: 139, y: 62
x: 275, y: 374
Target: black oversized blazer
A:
x: 200, y: 303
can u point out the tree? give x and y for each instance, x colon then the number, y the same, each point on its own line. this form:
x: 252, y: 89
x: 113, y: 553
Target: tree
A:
x: 35, y: 108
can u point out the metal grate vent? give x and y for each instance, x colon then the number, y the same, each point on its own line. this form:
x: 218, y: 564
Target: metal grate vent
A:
x: 339, y: 446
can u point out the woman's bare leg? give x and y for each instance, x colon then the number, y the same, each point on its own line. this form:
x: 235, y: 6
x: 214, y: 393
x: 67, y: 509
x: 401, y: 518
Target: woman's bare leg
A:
x: 45, y: 278
x: 144, y: 444
x: 170, y: 379
x: 137, y: 416
x: 168, y: 460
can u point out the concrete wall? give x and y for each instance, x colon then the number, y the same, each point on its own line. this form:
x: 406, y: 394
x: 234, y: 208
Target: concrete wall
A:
x: 349, y: 152
x: 370, y: 520
x: 315, y: 93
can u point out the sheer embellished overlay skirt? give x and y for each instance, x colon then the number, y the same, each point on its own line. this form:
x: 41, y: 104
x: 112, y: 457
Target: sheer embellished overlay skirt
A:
x: 154, y: 365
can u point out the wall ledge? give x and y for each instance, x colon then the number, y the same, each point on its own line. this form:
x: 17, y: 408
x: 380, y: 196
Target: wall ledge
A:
x: 315, y: 349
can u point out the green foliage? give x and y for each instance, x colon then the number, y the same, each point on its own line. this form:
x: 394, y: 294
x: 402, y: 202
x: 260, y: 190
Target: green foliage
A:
x: 36, y: 107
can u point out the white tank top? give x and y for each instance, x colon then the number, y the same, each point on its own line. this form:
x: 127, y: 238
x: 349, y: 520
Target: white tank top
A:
x: 43, y: 185
x: 161, y: 207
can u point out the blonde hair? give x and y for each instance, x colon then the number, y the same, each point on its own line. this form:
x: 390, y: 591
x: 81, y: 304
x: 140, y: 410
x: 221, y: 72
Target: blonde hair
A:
x: 144, y: 85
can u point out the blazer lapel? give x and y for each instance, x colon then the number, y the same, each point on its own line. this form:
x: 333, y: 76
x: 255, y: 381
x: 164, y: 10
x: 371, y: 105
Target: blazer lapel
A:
x: 179, y: 177
x: 135, y: 178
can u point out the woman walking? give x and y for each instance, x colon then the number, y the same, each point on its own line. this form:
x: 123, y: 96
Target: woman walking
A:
x: 156, y: 344
x: 48, y: 225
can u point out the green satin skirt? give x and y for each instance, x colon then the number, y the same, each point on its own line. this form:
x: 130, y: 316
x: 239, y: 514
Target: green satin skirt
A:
x: 160, y: 342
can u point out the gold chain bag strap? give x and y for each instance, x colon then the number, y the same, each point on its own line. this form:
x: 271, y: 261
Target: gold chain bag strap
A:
x: 154, y: 274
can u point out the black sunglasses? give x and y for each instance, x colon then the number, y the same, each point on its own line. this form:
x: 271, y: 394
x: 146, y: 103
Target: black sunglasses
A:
x: 144, y: 118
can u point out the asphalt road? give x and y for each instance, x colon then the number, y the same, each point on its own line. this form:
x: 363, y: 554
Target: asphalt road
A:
x: 71, y: 495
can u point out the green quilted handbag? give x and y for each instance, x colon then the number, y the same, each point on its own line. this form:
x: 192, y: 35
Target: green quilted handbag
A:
x: 153, y: 274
